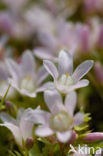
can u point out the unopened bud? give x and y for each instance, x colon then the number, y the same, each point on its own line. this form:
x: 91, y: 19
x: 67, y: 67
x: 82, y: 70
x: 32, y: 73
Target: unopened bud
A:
x: 73, y: 138
x: 10, y: 107
x: 92, y: 137
x: 100, y: 37
x: 29, y: 143
x: 98, y: 70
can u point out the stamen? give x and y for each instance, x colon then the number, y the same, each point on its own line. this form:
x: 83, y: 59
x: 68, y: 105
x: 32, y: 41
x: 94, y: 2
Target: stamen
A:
x: 67, y: 74
x: 28, y: 78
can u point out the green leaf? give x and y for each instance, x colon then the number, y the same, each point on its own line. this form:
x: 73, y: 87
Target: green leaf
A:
x: 35, y: 151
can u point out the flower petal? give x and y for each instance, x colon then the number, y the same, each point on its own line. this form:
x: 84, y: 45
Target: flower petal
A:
x: 53, y: 100
x: 28, y: 63
x: 26, y: 127
x: 79, y: 84
x: 5, y: 117
x: 78, y: 118
x: 70, y: 102
x: 46, y: 86
x: 43, y: 131
x: 64, y: 136
x: 50, y: 67
x: 65, y: 62
x: 82, y: 70
x: 41, y: 75
x: 15, y: 130
x: 13, y: 68
x: 37, y: 116
x: 43, y: 53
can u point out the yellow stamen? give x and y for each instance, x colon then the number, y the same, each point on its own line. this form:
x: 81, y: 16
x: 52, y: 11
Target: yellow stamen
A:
x: 59, y: 118
x: 28, y: 77
x: 67, y: 74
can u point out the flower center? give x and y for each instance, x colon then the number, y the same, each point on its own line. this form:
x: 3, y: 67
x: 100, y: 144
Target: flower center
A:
x: 61, y: 121
x: 66, y: 79
x: 27, y: 83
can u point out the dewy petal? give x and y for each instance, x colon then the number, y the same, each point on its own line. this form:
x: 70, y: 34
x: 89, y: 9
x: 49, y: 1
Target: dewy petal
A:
x: 79, y: 84
x: 43, y: 53
x: 43, y: 131
x: 41, y: 75
x: 82, y: 70
x: 14, y: 69
x: 28, y: 63
x: 52, y: 70
x: 78, y: 118
x: 53, y: 101
x: 70, y: 102
x: 37, y: 116
x: 15, y: 130
x: 64, y: 136
x: 26, y: 127
x: 65, y: 62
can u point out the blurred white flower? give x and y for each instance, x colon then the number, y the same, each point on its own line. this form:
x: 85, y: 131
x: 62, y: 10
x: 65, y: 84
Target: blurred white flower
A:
x: 20, y: 128
x: 65, y: 80
x: 60, y: 119
x: 25, y: 78
x: 63, y: 37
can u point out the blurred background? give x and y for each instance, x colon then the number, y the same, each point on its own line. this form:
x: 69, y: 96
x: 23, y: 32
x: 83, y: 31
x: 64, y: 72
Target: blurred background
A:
x: 46, y: 27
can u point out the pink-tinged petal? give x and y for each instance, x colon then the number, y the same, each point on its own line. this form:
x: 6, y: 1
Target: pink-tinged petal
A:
x: 37, y: 116
x: 53, y: 101
x: 14, y: 69
x: 82, y: 70
x: 65, y: 62
x: 51, y: 68
x: 26, y: 128
x: 79, y: 84
x: 78, y: 118
x: 28, y: 63
x: 15, y: 131
x: 64, y: 136
x: 43, y: 53
x: 92, y: 137
x: 46, y: 86
x: 70, y: 102
x: 43, y: 131
x: 41, y: 75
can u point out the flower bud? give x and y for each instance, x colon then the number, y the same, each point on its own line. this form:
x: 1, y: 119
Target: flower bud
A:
x: 98, y: 70
x: 10, y: 107
x: 92, y: 137
x: 73, y: 137
x: 84, y: 39
x: 29, y: 143
x: 100, y: 37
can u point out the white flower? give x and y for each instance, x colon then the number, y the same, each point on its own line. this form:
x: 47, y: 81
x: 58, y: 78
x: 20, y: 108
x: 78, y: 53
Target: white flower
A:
x: 65, y: 80
x: 59, y: 120
x: 20, y: 128
x: 25, y: 78
x: 4, y: 75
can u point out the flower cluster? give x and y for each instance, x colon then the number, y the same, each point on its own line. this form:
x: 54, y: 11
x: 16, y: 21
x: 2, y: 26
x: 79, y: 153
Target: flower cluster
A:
x: 47, y: 51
